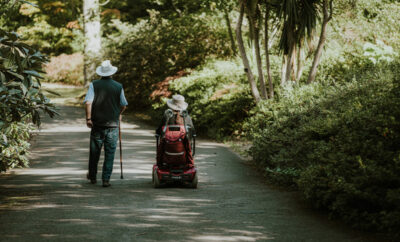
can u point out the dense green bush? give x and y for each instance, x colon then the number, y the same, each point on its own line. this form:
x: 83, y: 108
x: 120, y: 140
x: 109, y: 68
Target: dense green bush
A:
x: 21, y: 97
x: 219, y: 97
x: 48, y: 39
x: 353, y: 64
x: 338, y: 143
x: 14, y: 145
x: 47, y: 27
x: 154, y: 48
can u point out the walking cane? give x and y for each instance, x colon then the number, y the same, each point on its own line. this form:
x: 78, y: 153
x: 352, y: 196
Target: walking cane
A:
x: 120, y: 150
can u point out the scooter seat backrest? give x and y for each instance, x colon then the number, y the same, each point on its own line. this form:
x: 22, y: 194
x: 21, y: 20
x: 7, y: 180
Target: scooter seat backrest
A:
x: 174, y: 133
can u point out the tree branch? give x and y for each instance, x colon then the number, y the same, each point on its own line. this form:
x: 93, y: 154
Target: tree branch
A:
x: 106, y: 2
x: 330, y: 10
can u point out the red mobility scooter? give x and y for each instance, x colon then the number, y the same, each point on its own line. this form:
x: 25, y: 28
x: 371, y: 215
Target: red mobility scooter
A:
x: 175, y: 150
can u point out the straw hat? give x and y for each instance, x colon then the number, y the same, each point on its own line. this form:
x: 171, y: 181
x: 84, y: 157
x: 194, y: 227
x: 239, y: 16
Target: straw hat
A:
x: 106, y: 69
x: 177, y: 103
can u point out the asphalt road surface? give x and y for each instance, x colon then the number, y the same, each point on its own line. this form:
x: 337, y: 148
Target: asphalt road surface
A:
x: 53, y: 201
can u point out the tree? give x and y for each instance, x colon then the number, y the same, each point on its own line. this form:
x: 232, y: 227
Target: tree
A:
x: 91, y: 17
x: 226, y: 6
x: 298, y: 20
x: 242, y: 51
x: 229, y: 27
x: 266, y: 47
x: 253, y: 13
x: 327, y: 9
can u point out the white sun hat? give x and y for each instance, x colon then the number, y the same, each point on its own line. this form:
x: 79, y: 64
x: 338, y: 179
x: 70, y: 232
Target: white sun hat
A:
x: 177, y: 103
x: 106, y: 69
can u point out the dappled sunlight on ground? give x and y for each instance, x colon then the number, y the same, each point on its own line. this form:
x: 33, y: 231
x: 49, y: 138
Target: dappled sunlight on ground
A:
x: 53, y: 201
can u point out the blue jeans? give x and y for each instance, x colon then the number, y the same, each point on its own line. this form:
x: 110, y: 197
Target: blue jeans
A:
x: 98, y: 137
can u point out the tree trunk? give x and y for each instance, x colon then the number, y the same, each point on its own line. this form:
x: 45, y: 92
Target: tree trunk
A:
x: 318, y: 53
x: 300, y: 66
x: 245, y: 60
x: 256, y: 42
x: 272, y: 37
x: 268, y: 64
x: 283, y: 69
x: 289, y: 64
x: 228, y: 24
x: 91, y: 17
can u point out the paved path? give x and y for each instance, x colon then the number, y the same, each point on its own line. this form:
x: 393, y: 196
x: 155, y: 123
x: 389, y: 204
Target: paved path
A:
x: 52, y: 201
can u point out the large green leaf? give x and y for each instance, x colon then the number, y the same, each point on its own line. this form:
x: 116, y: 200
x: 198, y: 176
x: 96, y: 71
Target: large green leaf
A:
x: 19, y: 76
x: 14, y: 91
x: 23, y: 88
x: 3, y: 139
x: 33, y: 91
x: 52, y: 92
x: 12, y: 84
x: 36, y: 117
x: 2, y: 77
x: 33, y: 73
x: 51, y: 112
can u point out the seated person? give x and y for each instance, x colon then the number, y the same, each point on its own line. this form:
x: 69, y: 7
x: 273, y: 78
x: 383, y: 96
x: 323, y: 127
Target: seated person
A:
x: 177, y: 104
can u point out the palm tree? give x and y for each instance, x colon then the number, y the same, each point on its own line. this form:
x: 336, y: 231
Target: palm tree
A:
x: 252, y: 10
x: 254, y: 16
x: 299, y: 20
x: 243, y: 55
x: 269, y: 5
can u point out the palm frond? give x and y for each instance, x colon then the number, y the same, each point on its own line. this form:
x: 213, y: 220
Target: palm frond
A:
x: 299, y: 20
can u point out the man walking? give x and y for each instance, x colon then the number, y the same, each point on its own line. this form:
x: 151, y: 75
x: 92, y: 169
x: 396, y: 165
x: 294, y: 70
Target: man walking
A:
x: 105, y: 101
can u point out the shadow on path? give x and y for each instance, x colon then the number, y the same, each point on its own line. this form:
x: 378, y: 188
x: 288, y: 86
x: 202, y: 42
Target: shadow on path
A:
x: 52, y: 200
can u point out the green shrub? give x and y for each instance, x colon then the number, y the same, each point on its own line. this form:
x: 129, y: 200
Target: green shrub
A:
x: 47, y: 38
x: 155, y: 48
x: 360, y: 62
x: 219, y: 97
x: 67, y: 69
x: 21, y: 97
x: 14, y: 145
x: 338, y: 143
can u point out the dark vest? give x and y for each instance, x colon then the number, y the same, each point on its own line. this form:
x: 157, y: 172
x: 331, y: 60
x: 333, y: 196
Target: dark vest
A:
x: 106, y: 104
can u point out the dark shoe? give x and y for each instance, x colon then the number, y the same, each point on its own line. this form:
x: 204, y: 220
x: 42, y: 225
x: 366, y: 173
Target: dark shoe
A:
x: 92, y: 180
x: 106, y: 184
